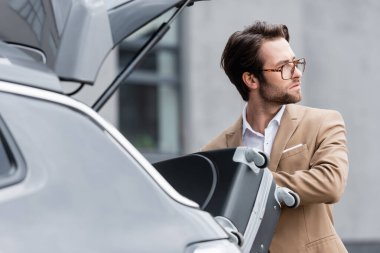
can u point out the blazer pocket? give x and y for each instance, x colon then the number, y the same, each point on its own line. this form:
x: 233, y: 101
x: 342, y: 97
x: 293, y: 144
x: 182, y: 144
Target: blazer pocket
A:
x: 293, y: 151
x: 294, y: 159
x: 327, y: 244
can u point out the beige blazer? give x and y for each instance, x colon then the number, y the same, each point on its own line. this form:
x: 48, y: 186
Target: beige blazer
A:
x: 309, y: 156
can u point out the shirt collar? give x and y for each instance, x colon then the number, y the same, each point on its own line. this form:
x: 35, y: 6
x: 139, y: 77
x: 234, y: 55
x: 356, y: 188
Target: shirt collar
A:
x: 246, y: 126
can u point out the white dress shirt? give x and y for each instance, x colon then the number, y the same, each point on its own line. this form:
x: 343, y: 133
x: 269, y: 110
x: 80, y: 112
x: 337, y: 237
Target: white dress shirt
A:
x: 254, y: 139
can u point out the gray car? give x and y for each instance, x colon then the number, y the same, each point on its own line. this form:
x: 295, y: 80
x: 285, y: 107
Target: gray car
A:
x: 69, y: 181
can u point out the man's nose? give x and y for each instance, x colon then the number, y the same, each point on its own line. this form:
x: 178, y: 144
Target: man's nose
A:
x: 297, y: 73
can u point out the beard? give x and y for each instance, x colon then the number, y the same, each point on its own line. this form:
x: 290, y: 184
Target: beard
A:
x: 274, y: 94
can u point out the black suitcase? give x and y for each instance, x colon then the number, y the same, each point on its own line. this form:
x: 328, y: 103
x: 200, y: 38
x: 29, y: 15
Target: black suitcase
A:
x: 233, y: 183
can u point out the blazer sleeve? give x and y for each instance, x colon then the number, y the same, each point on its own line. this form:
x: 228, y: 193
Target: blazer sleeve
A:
x: 325, y: 180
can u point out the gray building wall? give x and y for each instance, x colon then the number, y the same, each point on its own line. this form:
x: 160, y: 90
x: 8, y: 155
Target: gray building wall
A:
x: 339, y: 40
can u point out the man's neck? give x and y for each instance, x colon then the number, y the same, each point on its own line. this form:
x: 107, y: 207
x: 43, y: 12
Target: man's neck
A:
x: 259, y: 116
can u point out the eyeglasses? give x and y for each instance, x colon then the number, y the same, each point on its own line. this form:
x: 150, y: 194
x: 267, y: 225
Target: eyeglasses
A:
x: 287, y: 70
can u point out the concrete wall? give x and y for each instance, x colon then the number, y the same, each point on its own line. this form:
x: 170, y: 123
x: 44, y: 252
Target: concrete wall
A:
x: 339, y: 39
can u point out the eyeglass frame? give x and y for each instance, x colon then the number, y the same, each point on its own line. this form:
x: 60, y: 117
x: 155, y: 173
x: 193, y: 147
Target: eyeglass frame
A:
x: 294, y: 62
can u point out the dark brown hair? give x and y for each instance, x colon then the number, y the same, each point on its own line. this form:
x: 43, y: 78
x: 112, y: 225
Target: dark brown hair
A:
x: 241, y: 53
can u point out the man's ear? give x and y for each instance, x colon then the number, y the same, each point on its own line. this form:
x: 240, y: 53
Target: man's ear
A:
x: 250, y: 80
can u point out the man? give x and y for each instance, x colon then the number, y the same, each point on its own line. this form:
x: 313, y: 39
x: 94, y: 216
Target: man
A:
x: 306, y: 146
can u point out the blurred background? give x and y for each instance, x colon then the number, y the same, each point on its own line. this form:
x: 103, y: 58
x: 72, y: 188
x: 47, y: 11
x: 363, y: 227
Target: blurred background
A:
x: 180, y: 98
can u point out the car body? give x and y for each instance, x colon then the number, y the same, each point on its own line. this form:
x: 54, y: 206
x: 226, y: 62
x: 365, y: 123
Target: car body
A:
x: 69, y: 181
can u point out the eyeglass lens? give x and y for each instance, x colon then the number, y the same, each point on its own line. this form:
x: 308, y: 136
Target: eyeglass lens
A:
x: 288, y: 69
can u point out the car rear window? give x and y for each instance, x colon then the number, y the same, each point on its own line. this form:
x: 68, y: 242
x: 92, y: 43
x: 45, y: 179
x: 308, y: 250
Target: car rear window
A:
x: 12, y: 165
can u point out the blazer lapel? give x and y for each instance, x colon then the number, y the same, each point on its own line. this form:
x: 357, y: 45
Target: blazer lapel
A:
x: 288, y: 125
x: 234, y: 134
